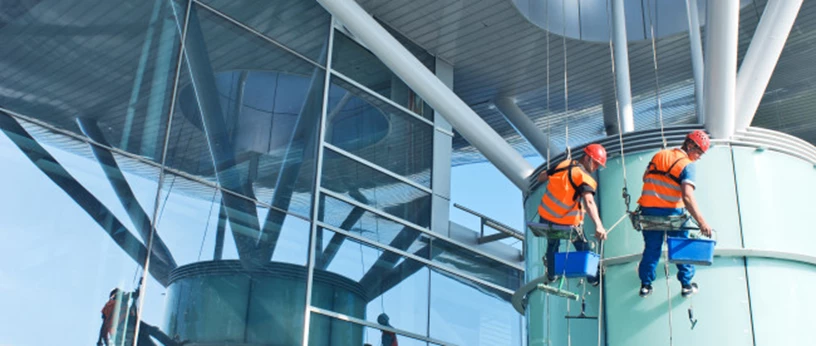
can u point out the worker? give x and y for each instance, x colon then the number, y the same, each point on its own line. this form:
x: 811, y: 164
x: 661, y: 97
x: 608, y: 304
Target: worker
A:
x: 108, y: 310
x: 570, y: 193
x: 388, y: 338
x: 116, y: 308
x: 668, y: 189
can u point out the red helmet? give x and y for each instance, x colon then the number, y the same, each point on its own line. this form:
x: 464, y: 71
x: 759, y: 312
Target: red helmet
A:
x: 597, y: 153
x: 700, y: 138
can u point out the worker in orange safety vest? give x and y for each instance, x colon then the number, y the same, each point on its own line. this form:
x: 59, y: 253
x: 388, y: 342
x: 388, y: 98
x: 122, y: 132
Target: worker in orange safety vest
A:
x: 668, y: 189
x: 569, y: 194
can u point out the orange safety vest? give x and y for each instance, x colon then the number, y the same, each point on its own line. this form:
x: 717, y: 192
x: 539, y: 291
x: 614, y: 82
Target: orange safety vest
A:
x: 561, y: 203
x: 661, y: 183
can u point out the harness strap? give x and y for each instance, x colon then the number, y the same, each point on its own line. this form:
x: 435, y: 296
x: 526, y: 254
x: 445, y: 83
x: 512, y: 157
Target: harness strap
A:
x: 666, y: 173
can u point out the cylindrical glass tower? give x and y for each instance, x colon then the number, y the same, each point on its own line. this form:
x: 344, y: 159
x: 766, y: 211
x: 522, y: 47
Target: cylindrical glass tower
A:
x: 221, y: 302
x: 755, y: 191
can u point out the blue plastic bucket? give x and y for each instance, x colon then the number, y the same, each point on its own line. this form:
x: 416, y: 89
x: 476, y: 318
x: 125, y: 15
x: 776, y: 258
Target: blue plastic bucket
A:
x: 576, y: 264
x: 691, y: 251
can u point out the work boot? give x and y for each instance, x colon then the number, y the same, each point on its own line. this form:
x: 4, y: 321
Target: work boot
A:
x: 689, y: 290
x: 645, y: 290
x: 594, y: 281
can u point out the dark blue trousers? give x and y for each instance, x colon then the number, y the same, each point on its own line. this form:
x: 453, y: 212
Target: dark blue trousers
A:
x: 653, y: 241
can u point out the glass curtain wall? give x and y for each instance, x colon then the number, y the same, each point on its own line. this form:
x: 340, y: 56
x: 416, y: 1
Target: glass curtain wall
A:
x: 176, y: 165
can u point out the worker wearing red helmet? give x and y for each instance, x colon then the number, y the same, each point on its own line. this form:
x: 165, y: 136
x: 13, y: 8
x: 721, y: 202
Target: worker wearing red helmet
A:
x: 570, y: 193
x: 668, y: 189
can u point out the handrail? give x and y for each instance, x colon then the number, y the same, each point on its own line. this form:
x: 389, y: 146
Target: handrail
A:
x: 492, y: 223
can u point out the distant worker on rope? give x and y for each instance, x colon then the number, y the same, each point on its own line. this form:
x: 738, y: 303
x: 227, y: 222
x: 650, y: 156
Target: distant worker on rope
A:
x: 570, y: 192
x: 668, y: 190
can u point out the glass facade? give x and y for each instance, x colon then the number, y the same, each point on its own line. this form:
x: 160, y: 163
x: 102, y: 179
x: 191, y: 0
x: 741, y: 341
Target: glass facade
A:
x: 223, y: 172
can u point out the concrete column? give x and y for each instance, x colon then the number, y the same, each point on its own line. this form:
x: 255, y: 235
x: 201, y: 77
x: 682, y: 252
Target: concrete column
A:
x: 621, y: 55
x: 442, y: 149
x: 721, y: 67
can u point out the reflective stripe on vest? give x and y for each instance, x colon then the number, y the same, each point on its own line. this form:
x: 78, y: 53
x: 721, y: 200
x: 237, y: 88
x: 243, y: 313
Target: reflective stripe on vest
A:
x: 661, y: 184
x: 560, y: 203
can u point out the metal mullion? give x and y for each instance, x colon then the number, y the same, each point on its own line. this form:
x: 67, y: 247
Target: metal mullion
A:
x: 321, y: 134
x: 409, y: 255
x: 355, y: 320
x: 376, y: 167
x: 258, y: 33
x: 157, y: 201
x: 144, y: 160
x: 379, y: 96
x: 417, y: 227
x: 374, y: 210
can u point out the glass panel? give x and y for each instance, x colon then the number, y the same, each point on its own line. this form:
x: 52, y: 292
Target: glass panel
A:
x: 379, y: 132
x: 110, y: 62
x: 226, y: 289
x: 200, y: 223
x: 330, y: 331
x: 366, y: 282
x: 765, y: 182
x: 62, y: 247
x: 465, y: 313
x: 302, y: 26
x: 466, y: 261
x: 723, y: 298
x: 786, y: 315
x: 247, y: 114
x: 358, y: 63
x: 372, y: 226
x: 366, y: 185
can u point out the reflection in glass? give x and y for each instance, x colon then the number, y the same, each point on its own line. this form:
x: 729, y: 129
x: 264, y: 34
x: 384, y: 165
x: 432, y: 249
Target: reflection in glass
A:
x: 222, y: 302
x: 466, y: 313
x: 63, y: 250
x: 359, y: 64
x: 221, y: 292
x: 379, y: 132
x: 110, y: 62
x: 387, y: 283
x: 329, y: 331
x: 373, y: 226
x: 192, y: 220
x: 479, y: 266
x: 247, y: 115
x: 369, y: 186
x: 299, y: 25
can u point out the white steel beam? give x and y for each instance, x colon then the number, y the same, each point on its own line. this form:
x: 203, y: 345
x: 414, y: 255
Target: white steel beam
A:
x: 405, y: 65
x: 762, y: 55
x: 537, y: 138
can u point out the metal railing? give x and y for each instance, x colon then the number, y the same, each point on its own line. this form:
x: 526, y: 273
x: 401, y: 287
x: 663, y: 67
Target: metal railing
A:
x: 505, y: 231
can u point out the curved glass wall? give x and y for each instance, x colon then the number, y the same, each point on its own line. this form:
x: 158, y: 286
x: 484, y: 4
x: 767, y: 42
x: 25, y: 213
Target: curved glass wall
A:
x: 754, y: 217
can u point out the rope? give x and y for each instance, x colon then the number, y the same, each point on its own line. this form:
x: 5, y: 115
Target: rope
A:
x: 668, y: 288
x: 207, y: 226
x: 549, y: 341
x: 656, y: 74
x: 566, y: 79
x: 547, y: 15
x: 601, y: 291
x: 600, y: 278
